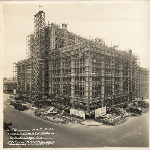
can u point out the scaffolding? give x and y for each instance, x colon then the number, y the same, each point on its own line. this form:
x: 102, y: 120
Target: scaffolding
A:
x: 14, y: 73
x: 86, y: 73
x: 15, y: 76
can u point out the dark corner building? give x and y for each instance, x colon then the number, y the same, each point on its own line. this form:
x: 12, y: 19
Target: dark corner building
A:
x: 9, y: 86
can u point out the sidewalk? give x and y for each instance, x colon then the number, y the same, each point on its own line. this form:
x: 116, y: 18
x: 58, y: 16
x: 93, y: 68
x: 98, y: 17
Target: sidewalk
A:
x: 90, y: 122
x: 29, y: 112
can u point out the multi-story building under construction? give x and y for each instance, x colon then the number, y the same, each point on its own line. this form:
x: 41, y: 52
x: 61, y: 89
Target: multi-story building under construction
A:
x: 62, y: 64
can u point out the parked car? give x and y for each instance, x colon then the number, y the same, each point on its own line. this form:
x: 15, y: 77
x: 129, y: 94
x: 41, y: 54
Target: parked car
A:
x: 135, y: 110
x: 18, y: 106
x: 12, y: 103
x: 138, y: 111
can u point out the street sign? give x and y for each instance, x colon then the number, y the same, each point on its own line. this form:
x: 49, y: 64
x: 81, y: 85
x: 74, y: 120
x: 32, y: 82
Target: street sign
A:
x: 76, y: 112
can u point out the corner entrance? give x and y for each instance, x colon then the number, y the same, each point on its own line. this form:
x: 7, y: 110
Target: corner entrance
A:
x: 92, y: 117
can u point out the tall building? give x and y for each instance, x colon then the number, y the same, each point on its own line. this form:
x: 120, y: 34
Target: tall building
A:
x: 87, y: 72
x: 144, y: 83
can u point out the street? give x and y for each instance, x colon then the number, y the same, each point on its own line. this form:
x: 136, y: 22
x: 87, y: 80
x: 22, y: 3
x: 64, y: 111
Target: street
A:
x: 133, y: 133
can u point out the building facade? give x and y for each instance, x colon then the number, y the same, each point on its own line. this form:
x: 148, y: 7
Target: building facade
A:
x: 144, y: 83
x: 60, y: 63
x: 9, y: 86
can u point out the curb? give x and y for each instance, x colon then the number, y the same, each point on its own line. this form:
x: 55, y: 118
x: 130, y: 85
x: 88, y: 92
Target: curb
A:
x: 90, y: 125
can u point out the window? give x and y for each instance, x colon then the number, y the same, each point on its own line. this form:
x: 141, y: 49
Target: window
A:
x: 79, y: 78
x: 67, y: 89
x: 79, y: 70
x: 79, y: 90
x: 93, y: 78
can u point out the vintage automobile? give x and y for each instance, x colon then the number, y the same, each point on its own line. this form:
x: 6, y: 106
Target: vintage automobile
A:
x: 135, y: 110
x: 18, y: 106
x: 12, y: 102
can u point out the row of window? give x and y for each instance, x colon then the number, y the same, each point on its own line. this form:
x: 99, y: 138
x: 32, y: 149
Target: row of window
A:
x: 80, y: 78
x: 79, y: 87
x: 96, y: 87
x: 96, y: 78
x: 79, y: 70
x: 95, y: 93
x: 82, y: 87
x: 63, y: 70
x: 64, y: 79
x: 81, y: 93
x: 94, y: 70
x: 108, y: 92
x: 97, y: 64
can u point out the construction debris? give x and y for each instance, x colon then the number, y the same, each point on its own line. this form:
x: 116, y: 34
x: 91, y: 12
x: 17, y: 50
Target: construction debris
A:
x: 115, y: 116
x: 53, y: 114
x: 114, y: 120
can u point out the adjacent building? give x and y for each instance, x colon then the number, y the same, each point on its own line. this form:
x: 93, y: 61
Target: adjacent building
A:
x: 144, y: 83
x: 9, y: 86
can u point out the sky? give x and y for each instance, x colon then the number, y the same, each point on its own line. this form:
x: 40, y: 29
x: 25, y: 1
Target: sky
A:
x: 126, y: 24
